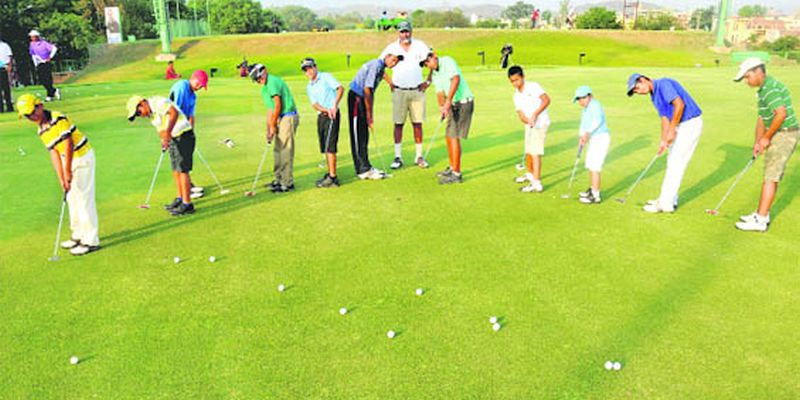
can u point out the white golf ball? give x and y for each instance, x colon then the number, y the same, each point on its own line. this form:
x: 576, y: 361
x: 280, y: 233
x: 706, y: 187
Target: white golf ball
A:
x: 390, y: 334
x: 617, y: 366
x: 419, y: 291
x: 212, y: 259
x: 496, y: 327
x: 281, y: 287
x: 74, y: 360
x: 493, y: 320
x: 609, y: 365
x: 342, y: 311
x: 176, y: 259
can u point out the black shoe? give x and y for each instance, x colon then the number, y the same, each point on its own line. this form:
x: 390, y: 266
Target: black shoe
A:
x: 397, y: 163
x: 585, y: 193
x: 591, y: 198
x: 272, y: 185
x: 171, y: 206
x: 320, y: 180
x: 445, y: 172
x: 182, y: 209
x: 452, y: 178
x: 283, y: 189
x: 328, y: 181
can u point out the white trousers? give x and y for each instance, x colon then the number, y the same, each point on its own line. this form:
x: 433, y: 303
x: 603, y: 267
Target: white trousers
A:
x: 680, y: 153
x: 82, y: 207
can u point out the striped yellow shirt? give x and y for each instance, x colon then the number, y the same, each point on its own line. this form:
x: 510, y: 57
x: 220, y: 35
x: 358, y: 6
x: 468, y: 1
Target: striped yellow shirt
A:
x: 60, y: 128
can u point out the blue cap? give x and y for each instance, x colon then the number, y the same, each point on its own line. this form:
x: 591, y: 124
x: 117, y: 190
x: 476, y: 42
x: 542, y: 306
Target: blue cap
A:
x: 404, y: 26
x: 632, y: 82
x: 581, y: 92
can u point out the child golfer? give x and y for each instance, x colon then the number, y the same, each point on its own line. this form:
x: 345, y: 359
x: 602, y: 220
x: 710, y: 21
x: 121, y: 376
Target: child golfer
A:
x: 177, y: 136
x: 594, y: 134
x: 73, y: 160
x: 531, y: 102
x: 777, y: 134
x: 325, y: 93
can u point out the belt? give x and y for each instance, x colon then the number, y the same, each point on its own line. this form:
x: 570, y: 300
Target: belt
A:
x: 465, y: 101
x: 289, y: 114
x: 402, y: 88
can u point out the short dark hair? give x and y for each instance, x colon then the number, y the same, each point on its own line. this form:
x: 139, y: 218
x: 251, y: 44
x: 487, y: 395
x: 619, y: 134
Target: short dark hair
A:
x: 515, y: 70
x: 763, y: 68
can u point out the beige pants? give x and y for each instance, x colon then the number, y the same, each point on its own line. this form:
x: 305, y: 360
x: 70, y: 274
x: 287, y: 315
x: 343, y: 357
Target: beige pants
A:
x: 284, y: 150
x: 82, y: 207
x: 408, y: 103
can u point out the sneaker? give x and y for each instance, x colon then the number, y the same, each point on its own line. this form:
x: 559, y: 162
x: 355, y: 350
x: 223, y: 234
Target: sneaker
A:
x: 397, y: 163
x: 533, y: 187
x: 373, y: 174
x: 197, y: 189
x: 451, y: 178
x: 272, y: 185
x: 328, y: 181
x: 172, y: 205
x: 590, y: 198
x: 752, y: 217
x: 422, y: 163
x: 83, y: 250
x: 654, y: 207
x: 283, y: 189
x: 445, y: 172
x: 196, y: 195
x: 182, y: 209
x: 527, y: 178
x: 654, y: 202
x: 48, y: 98
x: 69, y: 244
x: 58, y: 94
x: 585, y: 193
x: 757, y: 224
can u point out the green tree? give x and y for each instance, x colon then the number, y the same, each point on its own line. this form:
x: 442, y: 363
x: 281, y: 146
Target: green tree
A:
x: 784, y: 44
x: 138, y: 18
x: 755, y: 10
x: 703, y: 18
x: 547, y: 16
x: 298, y: 18
x: 518, y: 10
x: 454, y: 18
x: 658, y: 22
x: 273, y: 21
x: 598, y: 18
x: 490, y: 24
x: 74, y: 34
x: 236, y: 16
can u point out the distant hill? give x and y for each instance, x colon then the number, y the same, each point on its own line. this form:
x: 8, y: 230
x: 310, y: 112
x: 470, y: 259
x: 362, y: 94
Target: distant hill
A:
x: 617, y: 6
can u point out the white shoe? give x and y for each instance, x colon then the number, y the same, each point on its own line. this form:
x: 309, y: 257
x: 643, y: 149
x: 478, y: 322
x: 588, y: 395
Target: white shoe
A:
x: 524, y: 178
x: 591, y: 198
x: 48, y: 98
x: 752, y: 217
x: 197, y: 189
x: 757, y: 224
x: 373, y: 175
x: 396, y: 163
x: 83, y: 250
x: 196, y: 195
x: 58, y: 94
x: 70, y: 243
x: 533, y: 187
x: 422, y: 163
x: 654, y: 207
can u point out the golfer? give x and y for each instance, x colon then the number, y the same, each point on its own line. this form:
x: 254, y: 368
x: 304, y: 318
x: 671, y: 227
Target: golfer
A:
x: 360, y: 101
x: 6, y: 69
x: 176, y: 136
x: 777, y: 134
x: 73, y: 160
x: 184, y: 95
x: 325, y: 93
x: 408, y: 90
x: 42, y: 53
x: 594, y: 134
x: 282, y: 122
x: 681, y: 126
x: 531, y: 102
x: 456, y: 103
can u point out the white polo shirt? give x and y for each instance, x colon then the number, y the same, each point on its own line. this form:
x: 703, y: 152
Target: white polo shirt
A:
x: 5, y: 54
x: 529, y: 100
x: 407, y: 73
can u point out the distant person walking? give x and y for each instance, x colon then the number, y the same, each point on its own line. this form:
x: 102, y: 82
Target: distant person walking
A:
x: 6, y: 71
x: 42, y: 53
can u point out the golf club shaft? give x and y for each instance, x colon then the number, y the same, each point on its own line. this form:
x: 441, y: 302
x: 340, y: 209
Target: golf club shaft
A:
x: 327, y: 144
x: 260, y: 165
x: 208, y: 167
x: 155, y: 175
x: 433, y: 138
x: 378, y: 146
x: 735, y: 182
x: 575, y: 167
x: 644, y: 172
x: 60, y: 224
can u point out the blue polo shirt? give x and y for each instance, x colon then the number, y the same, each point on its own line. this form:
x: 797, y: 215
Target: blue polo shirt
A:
x: 322, y: 90
x: 593, y: 119
x: 665, y: 90
x: 368, y: 76
x: 182, y: 95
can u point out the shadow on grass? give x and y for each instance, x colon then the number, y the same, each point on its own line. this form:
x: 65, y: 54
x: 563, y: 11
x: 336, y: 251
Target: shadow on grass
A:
x: 787, y: 190
x: 736, y: 157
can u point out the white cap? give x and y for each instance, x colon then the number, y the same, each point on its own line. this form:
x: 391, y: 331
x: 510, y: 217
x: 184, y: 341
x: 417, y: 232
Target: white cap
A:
x: 34, y: 32
x: 747, y: 65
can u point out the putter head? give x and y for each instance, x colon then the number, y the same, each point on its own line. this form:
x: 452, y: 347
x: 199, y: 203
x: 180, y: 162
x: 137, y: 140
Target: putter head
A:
x: 224, y: 191
x: 712, y: 212
x: 54, y: 258
x: 520, y: 167
x: 620, y: 200
x: 144, y: 206
x: 249, y: 194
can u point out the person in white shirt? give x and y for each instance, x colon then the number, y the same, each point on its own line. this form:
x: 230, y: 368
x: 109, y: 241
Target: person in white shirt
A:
x: 408, y: 90
x: 6, y: 68
x: 531, y: 103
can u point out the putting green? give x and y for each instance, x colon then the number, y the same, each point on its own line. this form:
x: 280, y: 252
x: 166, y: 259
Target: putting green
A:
x: 691, y: 307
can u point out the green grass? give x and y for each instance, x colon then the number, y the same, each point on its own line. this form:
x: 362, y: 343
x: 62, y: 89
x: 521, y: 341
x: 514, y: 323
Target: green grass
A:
x: 692, y: 307
x: 282, y: 53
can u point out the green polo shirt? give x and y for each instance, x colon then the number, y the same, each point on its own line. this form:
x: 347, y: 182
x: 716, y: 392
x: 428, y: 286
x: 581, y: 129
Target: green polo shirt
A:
x: 774, y: 94
x: 442, y: 76
x: 277, y: 87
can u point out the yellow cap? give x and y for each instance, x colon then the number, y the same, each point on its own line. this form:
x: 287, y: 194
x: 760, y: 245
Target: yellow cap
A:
x: 133, y: 104
x: 26, y: 104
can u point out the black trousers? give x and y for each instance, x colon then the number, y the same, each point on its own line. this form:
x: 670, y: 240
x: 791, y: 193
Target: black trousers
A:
x: 5, y: 91
x: 359, y: 132
x: 45, y: 73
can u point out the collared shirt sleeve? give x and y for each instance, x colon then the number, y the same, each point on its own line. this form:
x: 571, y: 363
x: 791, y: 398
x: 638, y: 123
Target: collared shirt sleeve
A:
x: 331, y: 81
x: 372, y: 75
x: 667, y: 93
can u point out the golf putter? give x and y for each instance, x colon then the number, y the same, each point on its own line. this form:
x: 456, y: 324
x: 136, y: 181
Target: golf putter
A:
x: 521, y: 165
x: 380, y: 152
x: 715, y: 211
x: 644, y: 172
x: 572, y: 177
x: 146, y: 205
x: 58, y: 232
x: 222, y: 190
x: 252, y: 191
x: 433, y: 138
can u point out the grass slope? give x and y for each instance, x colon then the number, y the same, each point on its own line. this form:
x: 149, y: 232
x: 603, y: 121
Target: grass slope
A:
x: 282, y: 53
x: 691, y: 307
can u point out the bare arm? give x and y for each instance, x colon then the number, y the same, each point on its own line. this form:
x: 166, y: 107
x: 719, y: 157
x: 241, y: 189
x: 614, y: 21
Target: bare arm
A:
x: 523, y: 117
x: 678, y: 107
x: 780, y: 116
x: 368, y: 100
x: 545, y: 103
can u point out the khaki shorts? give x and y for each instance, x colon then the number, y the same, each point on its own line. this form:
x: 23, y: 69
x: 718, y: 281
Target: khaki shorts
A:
x: 459, y: 120
x: 534, y: 140
x: 778, y: 153
x: 408, y: 102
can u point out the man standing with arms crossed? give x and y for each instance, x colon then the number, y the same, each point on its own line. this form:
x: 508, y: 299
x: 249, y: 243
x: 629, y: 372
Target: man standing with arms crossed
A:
x: 408, y: 91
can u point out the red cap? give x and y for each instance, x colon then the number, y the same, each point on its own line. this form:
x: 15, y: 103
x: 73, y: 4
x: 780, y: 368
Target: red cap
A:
x: 201, y: 77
